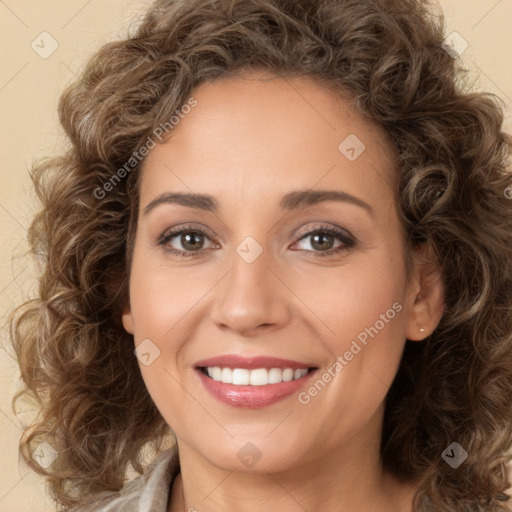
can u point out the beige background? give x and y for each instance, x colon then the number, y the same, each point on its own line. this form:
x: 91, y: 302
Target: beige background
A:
x: 29, y: 90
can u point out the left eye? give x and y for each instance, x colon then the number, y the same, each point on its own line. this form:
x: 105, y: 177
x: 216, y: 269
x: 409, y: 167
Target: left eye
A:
x: 322, y: 241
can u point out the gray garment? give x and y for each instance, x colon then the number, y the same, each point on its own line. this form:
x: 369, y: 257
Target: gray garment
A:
x: 150, y: 492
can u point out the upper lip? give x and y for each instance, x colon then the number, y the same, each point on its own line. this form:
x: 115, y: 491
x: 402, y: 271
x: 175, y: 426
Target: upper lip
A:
x: 236, y: 361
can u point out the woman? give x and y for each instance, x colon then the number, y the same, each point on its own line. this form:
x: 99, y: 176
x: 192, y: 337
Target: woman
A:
x: 282, y: 234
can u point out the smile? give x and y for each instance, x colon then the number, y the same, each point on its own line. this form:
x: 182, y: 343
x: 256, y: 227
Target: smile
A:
x: 256, y: 377
x: 252, y: 382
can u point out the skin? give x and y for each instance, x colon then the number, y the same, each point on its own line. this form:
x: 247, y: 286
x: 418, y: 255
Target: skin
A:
x: 250, y: 140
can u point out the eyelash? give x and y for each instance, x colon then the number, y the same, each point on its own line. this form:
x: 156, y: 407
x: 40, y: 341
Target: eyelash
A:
x: 341, y: 235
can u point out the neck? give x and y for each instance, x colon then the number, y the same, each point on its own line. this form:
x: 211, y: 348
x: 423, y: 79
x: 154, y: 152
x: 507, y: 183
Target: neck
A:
x: 349, y: 478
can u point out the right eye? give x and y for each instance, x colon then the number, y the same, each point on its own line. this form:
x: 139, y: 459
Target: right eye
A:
x: 191, y: 241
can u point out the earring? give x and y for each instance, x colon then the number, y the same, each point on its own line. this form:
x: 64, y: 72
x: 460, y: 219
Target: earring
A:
x: 421, y: 330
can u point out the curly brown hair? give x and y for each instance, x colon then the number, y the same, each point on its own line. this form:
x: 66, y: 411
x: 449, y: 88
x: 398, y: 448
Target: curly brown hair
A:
x: 454, y: 193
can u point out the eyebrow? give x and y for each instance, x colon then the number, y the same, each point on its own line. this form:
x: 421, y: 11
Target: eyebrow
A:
x: 290, y: 201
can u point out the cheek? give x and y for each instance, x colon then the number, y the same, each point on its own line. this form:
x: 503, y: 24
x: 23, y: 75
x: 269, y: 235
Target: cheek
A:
x: 363, y: 309
x: 155, y: 313
x: 167, y: 305
x: 354, y: 297
x: 162, y: 296
x: 362, y: 306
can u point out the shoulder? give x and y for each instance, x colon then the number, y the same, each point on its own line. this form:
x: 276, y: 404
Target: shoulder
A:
x: 149, y: 491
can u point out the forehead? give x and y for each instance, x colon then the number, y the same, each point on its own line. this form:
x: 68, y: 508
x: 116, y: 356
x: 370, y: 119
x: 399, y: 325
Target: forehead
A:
x: 261, y: 133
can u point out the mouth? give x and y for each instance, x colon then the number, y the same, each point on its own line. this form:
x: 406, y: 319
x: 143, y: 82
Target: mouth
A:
x: 252, y: 382
x: 256, y: 377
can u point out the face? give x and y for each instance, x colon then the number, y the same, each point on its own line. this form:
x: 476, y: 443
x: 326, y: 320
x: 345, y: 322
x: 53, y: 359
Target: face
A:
x: 291, y: 267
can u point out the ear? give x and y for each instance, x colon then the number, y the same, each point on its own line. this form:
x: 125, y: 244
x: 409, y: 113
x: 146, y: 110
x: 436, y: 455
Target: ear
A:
x: 127, y: 319
x: 426, y: 296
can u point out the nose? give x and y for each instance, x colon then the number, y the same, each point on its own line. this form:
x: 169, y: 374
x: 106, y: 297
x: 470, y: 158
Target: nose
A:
x: 251, y: 298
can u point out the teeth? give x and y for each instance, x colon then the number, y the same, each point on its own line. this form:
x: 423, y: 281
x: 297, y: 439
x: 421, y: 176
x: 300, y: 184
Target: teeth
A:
x: 240, y: 377
x: 275, y: 376
x: 216, y: 373
x: 226, y: 375
x: 257, y: 377
x: 287, y: 374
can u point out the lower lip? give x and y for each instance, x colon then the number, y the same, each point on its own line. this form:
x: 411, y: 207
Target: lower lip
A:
x: 252, y: 397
